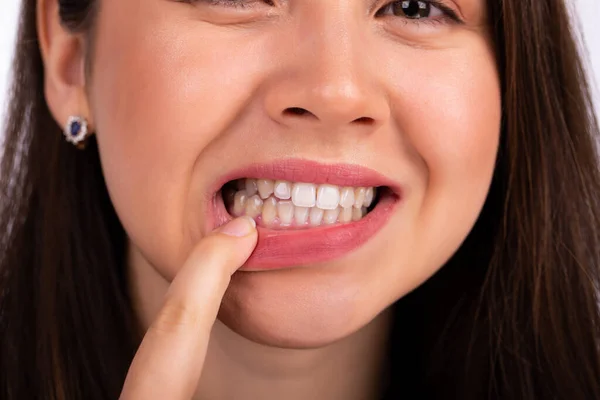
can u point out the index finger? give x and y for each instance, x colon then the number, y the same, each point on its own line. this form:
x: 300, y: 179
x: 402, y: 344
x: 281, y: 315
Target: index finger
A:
x: 169, y: 360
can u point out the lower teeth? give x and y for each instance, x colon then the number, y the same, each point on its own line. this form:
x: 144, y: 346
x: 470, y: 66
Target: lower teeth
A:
x: 273, y: 212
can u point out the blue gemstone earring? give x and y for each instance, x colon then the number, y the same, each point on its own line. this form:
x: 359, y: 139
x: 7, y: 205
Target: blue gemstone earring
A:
x: 76, y: 131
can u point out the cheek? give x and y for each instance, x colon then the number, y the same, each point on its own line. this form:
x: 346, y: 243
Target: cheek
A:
x: 449, y: 114
x: 137, y: 138
x: 148, y: 138
x: 155, y: 91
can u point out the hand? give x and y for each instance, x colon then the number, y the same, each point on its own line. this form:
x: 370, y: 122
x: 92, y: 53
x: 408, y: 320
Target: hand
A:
x: 169, y: 360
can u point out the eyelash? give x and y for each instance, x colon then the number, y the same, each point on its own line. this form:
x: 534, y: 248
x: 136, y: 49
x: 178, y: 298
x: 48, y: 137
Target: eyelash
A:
x: 450, y: 15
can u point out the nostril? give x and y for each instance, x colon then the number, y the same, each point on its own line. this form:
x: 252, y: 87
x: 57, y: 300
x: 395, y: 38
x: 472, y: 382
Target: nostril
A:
x: 296, y: 111
x: 364, y: 121
x: 300, y: 112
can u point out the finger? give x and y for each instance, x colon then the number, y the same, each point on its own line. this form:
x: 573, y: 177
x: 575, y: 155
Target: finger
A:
x: 169, y: 360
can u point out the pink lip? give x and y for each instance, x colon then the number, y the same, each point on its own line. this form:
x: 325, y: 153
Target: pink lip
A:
x: 287, y: 248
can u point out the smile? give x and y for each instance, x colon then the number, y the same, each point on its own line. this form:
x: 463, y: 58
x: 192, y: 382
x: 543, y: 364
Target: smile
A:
x: 306, y: 212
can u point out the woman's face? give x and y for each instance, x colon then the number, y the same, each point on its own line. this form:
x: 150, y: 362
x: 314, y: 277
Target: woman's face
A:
x: 189, y: 95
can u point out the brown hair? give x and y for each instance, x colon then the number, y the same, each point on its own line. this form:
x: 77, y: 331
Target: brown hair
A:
x: 514, y: 314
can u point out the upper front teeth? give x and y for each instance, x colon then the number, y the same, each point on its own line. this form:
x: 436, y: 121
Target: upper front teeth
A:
x: 328, y: 197
x: 325, y: 196
x: 304, y: 194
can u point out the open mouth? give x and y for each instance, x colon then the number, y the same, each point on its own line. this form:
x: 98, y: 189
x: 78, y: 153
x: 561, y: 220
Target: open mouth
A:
x: 306, y: 212
x: 284, y: 205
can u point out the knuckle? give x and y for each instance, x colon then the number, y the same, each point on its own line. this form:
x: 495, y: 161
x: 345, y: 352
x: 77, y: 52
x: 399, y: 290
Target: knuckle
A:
x: 176, y: 316
x: 212, y: 251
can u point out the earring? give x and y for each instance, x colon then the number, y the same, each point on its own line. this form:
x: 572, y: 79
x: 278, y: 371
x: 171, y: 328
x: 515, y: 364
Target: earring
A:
x: 76, y: 131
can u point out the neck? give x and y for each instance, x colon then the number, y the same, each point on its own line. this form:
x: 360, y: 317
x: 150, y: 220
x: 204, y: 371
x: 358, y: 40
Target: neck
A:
x: 352, y: 368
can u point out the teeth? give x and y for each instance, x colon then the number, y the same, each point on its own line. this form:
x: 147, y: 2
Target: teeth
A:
x: 285, y: 209
x: 347, y: 197
x: 301, y: 215
x: 369, y: 195
x: 316, y: 216
x: 254, y: 206
x: 328, y: 197
x: 265, y: 188
x: 331, y: 216
x: 269, y: 211
x: 239, y: 203
x: 304, y: 194
x: 251, y: 187
x: 359, y: 197
x: 357, y: 214
x: 286, y: 204
x: 346, y: 214
x: 283, y: 190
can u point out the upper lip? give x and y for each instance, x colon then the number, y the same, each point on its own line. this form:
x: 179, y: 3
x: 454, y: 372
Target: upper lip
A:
x: 308, y: 171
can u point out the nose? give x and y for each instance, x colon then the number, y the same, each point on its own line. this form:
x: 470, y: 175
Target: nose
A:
x: 325, y: 78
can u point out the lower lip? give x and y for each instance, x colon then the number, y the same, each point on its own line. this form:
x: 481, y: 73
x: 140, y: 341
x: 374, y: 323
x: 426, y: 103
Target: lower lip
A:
x: 278, y: 249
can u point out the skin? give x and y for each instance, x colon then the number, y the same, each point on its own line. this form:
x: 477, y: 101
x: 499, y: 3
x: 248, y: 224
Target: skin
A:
x: 179, y: 94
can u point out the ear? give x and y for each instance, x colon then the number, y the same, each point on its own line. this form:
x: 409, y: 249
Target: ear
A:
x: 63, y: 55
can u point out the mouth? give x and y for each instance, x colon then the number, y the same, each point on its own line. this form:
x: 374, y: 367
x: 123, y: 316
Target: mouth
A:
x: 306, y: 212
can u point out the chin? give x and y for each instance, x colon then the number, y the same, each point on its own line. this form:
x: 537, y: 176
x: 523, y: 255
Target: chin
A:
x: 296, y: 308
x: 288, y: 334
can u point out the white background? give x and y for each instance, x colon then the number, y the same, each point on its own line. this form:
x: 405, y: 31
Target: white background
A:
x: 588, y: 12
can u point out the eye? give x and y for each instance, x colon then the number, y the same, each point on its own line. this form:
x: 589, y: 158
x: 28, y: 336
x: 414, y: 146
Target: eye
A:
x: 419, y: 9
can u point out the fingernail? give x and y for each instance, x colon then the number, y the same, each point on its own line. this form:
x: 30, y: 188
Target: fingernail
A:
x: 239, y: 227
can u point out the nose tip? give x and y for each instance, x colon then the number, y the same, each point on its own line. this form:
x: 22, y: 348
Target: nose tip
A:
x: 329, y: 104
x: 341, y: 108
